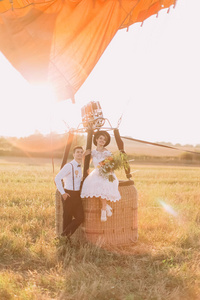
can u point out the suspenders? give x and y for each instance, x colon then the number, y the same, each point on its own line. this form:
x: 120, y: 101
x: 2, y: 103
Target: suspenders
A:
x: 72, y: 174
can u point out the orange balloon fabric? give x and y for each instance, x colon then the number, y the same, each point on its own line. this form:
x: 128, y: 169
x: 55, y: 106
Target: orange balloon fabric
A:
x: 60, y: 41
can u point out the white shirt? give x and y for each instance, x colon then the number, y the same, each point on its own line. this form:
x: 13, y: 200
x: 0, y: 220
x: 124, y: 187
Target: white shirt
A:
x: 67, y: 176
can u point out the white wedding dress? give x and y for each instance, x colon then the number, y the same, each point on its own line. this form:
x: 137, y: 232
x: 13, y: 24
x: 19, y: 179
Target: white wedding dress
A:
x: 97, y: 186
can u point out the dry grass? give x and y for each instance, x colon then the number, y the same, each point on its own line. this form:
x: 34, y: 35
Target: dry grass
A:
x: 163, y: 264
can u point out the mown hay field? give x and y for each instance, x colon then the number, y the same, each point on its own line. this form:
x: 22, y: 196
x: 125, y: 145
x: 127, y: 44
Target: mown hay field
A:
x: 163, y: 264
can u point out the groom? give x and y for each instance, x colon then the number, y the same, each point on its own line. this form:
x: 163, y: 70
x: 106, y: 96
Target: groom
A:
x: 71, y: 174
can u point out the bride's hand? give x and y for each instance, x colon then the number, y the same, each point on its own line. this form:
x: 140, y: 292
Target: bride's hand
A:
x: 87, y: 152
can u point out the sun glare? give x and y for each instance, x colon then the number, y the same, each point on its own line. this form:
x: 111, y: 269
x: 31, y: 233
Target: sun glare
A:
x: 50, y: 115
x: 27, y: 108
x: 38, y: 103
x: 168, y: 208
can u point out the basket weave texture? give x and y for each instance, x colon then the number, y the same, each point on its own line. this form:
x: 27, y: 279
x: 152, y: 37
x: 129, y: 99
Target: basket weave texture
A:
x: 119, y: 229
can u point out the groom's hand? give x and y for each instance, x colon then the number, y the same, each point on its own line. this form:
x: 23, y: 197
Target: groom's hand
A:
x: 65, y: 196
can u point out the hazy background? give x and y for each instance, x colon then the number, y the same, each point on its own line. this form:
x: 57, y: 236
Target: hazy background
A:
x: 150, y: 74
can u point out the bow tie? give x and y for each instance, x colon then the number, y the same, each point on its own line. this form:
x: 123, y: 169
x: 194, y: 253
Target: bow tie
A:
x: 78, y: 166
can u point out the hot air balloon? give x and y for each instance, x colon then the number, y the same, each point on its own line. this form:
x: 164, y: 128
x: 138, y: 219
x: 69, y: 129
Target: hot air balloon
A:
x: 59, y: 42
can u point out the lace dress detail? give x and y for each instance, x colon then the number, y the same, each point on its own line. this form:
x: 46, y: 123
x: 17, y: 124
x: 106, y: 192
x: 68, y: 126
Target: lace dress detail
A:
x: 97, y: 186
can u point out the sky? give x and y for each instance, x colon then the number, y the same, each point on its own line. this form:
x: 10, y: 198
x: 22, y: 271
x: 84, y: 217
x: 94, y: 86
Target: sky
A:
x: 148, y: 76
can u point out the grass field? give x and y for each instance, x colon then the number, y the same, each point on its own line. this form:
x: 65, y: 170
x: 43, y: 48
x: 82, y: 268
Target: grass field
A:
x: 163, y: 264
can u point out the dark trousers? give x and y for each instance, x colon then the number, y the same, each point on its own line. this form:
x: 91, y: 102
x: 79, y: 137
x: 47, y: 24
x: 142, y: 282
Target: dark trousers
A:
x: 73, y: 214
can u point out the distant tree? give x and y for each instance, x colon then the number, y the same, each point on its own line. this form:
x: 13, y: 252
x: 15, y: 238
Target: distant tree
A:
x: 186, y: 156
x: 5, y: 144
x: 188, y: 146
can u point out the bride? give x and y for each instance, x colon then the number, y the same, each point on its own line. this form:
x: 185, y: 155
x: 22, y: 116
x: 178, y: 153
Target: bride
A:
x: 95, y: 186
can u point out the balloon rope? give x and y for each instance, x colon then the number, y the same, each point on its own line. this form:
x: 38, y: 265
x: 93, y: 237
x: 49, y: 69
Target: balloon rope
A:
x: 26, y: 5
x: 160, y: 145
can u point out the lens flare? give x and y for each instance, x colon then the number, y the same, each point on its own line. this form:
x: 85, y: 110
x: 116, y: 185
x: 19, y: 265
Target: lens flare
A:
x: 168, y: 208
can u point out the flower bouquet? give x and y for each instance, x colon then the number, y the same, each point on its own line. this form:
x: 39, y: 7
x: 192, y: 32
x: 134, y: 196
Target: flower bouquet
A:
x: 112, y: 163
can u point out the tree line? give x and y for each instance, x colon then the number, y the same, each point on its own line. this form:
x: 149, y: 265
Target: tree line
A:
x: 39, y: 145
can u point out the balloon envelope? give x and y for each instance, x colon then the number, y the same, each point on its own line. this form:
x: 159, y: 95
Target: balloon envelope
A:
x: 60, y: 41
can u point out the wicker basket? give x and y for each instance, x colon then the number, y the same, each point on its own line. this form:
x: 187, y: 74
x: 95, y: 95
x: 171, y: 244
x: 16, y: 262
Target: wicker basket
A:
x: 120, y: 229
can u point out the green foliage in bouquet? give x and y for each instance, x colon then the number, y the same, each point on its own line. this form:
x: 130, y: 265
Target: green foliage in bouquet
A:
x: 112, y: 163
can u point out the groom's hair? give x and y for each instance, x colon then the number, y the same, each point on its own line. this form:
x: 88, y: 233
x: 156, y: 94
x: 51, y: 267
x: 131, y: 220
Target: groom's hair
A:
x: 77, y: 147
